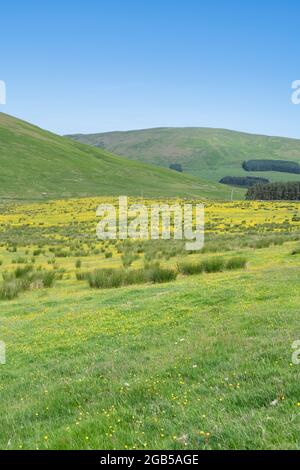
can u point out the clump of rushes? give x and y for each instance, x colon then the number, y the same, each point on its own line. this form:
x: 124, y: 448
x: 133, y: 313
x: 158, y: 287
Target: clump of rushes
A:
x: 238, y: 262
x: 128, y: 258
x: 48, y: 278
x: 106, y: 278
x: 23, y: 279
x: 212, y: 265
x: 190, y: 268
x: 81, y: 276
x: 21, y: 272
x: 135, y: 276
x: 78, y: 264
x: 9, y: 289
x: 160, y: 275
x: 112, y: 278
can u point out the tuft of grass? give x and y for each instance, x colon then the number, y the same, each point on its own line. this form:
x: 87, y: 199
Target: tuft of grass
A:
x: 189, y: 268
x: 213, y: 265
x: 113, y: 278
x: 23, y: 279
x: 20, y: 272
x: 48, y: 278
x: 237, y: 262
x: 161, y: 275
x: 106, y: 278
x: 10, y: 289
x: 135, y: 276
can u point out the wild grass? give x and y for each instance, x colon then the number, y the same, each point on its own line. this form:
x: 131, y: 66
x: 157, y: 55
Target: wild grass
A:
x: 237, y: 262
x: 23, y: 279
x: 212, y: 265
x: 113, y: 278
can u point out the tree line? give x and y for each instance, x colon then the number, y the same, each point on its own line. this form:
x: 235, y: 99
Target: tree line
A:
x: 243, y: 181
x: 275, y: 192
x: 271, y: 165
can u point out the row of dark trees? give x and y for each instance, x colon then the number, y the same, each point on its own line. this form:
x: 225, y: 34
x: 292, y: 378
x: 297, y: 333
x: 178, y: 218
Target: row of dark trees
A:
x: 272, y: 165
x: 176, y: 167
x: 243, y: 181
x: 275, y: 192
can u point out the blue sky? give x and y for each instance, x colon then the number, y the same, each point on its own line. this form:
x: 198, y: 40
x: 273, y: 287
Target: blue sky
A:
x: 101, y: 65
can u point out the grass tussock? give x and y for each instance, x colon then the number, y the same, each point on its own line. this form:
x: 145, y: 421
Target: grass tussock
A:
x: 113, y: 278
x: 237, y: 262
x: 212, y: 265
x: 23, y: 279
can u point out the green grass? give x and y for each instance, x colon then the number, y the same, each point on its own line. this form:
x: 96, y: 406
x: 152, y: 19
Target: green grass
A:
x: 36, y: 164
x: 202, y: 152
x: 202, y: 362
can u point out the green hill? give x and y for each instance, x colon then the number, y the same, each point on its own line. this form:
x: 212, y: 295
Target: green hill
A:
x: 37, y: 164
x: 202, y: 152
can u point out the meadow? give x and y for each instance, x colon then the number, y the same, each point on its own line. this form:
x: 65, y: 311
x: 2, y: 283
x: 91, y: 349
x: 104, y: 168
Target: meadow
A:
x: 180, y: 350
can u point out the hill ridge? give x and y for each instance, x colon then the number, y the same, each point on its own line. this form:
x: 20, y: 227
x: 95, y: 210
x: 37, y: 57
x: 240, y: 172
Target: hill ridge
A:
x: 210, y: 153
x: 37, y: 164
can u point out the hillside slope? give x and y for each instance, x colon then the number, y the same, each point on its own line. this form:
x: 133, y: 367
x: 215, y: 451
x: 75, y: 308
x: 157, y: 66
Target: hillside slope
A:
x: 38, y: 164
x: 202, y: 152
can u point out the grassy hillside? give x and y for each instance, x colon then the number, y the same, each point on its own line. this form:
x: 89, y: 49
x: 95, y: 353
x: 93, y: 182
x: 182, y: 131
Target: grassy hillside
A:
x: 35, y: 164
x: 206, y: 153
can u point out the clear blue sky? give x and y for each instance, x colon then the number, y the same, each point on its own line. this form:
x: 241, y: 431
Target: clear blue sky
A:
x: 101, y: 65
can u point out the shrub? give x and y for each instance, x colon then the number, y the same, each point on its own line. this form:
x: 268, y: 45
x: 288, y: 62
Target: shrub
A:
x: 108, y: 254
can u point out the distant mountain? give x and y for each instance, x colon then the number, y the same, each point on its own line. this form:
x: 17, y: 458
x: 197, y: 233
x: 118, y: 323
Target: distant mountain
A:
x: 207, y: 153
x: 37, y: 164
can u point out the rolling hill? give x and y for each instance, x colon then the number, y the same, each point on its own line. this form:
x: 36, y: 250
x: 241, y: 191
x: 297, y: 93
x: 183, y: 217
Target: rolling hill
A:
x: 207, y: 153
x: 37, y: 164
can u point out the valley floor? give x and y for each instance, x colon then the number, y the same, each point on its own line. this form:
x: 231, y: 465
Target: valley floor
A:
x: 203, y: 362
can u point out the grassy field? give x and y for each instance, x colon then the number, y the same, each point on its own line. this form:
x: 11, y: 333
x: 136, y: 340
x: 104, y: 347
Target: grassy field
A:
x: 36, y: 164
x: 202, y: 152
x: 201, y: 362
